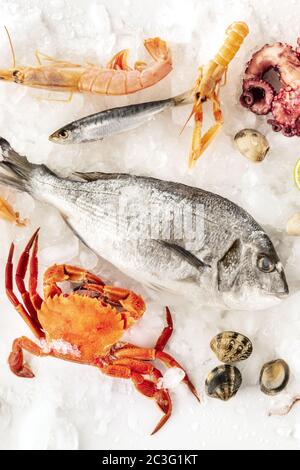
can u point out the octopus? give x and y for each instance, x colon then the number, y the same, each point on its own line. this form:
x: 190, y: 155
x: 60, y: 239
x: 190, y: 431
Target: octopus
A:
x: 261, y: 97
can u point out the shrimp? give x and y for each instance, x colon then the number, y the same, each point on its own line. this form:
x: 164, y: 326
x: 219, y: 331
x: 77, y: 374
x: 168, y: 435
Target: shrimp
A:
x: 116, y: 79
x: 208, y: 86
x: 7, y: 213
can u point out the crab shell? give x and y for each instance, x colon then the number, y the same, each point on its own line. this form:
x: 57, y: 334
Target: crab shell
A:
x: 80, y: 326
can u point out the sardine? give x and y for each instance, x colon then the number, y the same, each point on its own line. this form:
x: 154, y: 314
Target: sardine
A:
x: 114, y: 121
x: 170, y: 236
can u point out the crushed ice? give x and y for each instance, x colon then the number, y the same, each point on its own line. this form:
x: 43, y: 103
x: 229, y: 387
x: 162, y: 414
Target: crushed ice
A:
x: 92, y: 32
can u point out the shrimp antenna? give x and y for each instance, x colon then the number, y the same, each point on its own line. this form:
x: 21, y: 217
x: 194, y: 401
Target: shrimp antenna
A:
x: 188, y: 120
x: 11, y: 47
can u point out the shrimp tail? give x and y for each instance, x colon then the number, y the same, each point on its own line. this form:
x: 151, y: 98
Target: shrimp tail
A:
x: 158, y: 49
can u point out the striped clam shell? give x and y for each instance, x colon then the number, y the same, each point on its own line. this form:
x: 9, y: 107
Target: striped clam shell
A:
x: 223, y: 382
x: 230, y: 346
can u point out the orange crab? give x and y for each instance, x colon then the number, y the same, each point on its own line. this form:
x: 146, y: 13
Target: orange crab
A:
x: 86, y: 325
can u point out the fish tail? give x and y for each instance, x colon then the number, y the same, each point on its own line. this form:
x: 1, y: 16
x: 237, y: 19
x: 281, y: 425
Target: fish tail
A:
x: 184, y: 98
x: 17, y: 168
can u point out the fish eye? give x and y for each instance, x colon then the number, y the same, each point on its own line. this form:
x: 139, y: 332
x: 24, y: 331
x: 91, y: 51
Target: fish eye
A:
x: 265, y: 265
x: 63, y: 134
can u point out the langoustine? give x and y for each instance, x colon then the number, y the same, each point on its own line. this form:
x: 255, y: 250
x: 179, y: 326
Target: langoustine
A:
x: 261, y: 97
x: 208, y: 85
x: 117, y: 78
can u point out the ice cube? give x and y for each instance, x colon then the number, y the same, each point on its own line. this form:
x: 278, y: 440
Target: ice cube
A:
x: 88, y: 259
x: 60, y: 252
x: 172, y: 378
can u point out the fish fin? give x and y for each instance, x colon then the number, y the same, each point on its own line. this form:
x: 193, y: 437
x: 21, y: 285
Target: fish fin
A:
x: 187, y: 255
x: 65, y: 219
x: 17, y: 167
x: 228, y: 264
x: 92, y: 176
x: 156, y: 287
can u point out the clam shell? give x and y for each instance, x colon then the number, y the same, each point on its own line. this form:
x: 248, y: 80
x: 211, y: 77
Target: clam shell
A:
x: 252, y: 144
x: 223, y: 382
x: 293, y: 225
x: 230, y: 346
x: 274, y: 377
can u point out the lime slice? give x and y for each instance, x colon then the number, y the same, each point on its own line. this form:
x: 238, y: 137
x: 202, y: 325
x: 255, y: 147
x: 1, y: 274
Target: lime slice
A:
x: 297, y: 174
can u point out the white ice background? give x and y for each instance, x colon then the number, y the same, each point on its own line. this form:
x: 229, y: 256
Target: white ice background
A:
x: 70, y: 406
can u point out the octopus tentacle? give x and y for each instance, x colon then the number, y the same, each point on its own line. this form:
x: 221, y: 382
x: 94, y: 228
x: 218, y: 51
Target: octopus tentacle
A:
x: 261, y: 98
x: 286, y: 111
x: 257, y: 95
x: 280, y: 57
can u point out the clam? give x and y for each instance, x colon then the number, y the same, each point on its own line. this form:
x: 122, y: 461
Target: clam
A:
x: 223, y: 382
x: 252, y: 144
x: 274, y: 377
x: 293, y: 225
x: 230, y: 346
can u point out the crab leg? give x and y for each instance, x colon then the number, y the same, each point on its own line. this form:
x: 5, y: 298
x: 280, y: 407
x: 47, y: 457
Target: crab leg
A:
x: 161, y: 396
x: 145, y: 354
x: 33, y: 277
x: 20, y: 276
x: 166, y: 333
x: 134, y: 370
x: 169, y: 361
x: 16, y: 359
x: 150, y: 354
x: 31, y: 322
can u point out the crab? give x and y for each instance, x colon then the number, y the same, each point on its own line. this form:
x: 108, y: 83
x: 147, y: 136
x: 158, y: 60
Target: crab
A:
x: 86, y: 326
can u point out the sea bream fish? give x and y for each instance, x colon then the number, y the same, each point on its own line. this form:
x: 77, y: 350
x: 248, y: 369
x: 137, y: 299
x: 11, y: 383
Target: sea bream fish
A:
x: 175, y: 238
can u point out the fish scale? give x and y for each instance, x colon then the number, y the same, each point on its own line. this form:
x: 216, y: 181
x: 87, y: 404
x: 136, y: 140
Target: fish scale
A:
x: 114, y: 121
x: 223, y: 257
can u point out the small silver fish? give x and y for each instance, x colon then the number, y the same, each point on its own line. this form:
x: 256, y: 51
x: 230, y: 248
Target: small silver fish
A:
x: 114, y: 121
x: 166, y: 235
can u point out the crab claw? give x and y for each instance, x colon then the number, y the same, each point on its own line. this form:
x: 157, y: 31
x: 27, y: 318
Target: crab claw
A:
x: 131, y: 302
x: 163, y: 400
x: 161, y: 396
x: 16, y: 365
